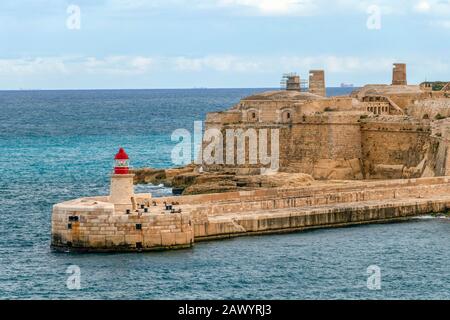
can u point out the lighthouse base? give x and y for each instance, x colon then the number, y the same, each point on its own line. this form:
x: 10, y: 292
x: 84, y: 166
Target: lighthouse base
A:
x: 122, y: 192
x: 93, y: 225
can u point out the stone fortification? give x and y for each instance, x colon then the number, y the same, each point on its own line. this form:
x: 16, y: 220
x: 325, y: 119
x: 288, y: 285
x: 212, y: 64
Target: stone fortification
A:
x: 338, y: 162
x: 93, y: 224
x: 378, y: 132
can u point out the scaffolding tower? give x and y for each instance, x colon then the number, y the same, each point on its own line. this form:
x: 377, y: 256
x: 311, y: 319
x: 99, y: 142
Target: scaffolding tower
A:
x: 291, y: 81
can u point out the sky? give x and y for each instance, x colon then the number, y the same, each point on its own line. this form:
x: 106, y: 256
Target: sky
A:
x: 122, y: 44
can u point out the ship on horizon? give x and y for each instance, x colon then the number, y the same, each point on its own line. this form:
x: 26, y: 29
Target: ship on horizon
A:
x: 347, y: 85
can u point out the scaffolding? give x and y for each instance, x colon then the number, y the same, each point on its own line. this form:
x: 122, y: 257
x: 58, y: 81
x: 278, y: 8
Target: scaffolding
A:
x: 292, y: 81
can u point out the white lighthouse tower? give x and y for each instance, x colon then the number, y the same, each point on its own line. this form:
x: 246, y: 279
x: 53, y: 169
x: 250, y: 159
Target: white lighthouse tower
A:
x: 122, y: 188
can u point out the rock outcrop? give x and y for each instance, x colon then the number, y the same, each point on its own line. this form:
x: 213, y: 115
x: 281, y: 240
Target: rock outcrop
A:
x: 159, y: 176
x: 188, y: 180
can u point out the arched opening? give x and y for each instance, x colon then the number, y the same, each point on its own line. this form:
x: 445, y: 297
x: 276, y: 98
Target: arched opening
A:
x: 252, y: 116
x: 286, y: 116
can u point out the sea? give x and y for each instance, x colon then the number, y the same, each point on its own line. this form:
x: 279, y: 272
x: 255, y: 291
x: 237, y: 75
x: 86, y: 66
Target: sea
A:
x: 59, y: 145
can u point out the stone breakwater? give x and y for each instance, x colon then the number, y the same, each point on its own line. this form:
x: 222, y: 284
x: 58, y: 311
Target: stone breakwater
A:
x: 94, y: 224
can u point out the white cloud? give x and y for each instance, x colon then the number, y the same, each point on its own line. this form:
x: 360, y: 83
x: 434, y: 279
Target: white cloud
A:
x: 188, y: 64
x: 422, y: 6
x: 337, y: 64
x: 261, y: 7
x: 141, y: 64
x: 265, y: 64
x: 433, y: 7
x: 27, y: 67
x: 249, y: 7
x: 117, y: 66
x: 274, y: 7
x: 113, y: 65
x: 220, y: 63
x: 326, y: 7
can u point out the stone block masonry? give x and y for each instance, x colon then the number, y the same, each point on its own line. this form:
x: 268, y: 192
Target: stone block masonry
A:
x: 399, y: 75
x: 377, y: 132
x: 317, y: 82
x: 90, y: 224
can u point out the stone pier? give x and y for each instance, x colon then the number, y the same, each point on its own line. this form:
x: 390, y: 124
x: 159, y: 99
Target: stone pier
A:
x: 92, y: 224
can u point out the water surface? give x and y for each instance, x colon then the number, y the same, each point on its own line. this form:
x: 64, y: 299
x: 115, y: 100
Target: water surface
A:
x: 58, y: 145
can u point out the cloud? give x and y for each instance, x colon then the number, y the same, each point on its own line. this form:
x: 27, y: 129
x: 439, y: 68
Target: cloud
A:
x: 27, y: 67
x: 236, y: 7
x: 326, y: 7
x: 337, y: 64
x: 220, y: 63
x: 434, y: 7
x: 274, y: 7
x: 117, y: 65
x: 422, y: 6
x: 113, y: 65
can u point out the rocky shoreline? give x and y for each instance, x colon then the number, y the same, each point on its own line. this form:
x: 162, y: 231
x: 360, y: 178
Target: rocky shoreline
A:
x: 189, y: 180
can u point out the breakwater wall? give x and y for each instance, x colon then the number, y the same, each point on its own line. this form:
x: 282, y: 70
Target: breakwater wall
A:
x: 93, y: 224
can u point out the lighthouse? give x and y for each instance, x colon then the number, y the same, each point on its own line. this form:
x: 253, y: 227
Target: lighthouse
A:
x: 122, y: 190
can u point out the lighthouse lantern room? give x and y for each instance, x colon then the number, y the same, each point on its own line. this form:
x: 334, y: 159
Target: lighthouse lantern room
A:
x: 121, y: 162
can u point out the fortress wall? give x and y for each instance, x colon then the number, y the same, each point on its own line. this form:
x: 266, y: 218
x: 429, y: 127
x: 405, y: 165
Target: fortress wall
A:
x: 269, y: 111
x: 266, y: 110
x: 332, y: 104
x: 429, y: 109
x: 100, y: 229
x: 323, y: 146
x: 327, y: 146
x: 309, y: 191
x: 312, y: 142
x: 289, y: 200
x: 282, y: 221
x: 223, y: 117
x: 246, y: 129
x: 398, y: 145
x: 438, y: 157
x: 406, y: 100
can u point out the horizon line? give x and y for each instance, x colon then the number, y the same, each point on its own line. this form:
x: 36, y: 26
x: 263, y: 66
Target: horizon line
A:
x: 182, y: 88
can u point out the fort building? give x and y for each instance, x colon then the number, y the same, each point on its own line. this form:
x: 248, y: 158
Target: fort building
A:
x: 379, y: 131
x: 378, y: 154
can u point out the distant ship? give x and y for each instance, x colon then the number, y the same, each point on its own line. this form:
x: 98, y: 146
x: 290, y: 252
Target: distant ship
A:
x: 347, y: 85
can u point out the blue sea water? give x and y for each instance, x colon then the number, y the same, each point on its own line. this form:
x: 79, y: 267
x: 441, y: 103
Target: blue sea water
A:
x: 58, y: 145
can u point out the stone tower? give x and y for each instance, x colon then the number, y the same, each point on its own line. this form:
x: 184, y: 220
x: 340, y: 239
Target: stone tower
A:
x: 317, y: 82
x: 122, y: 188
x: 293, y: 83
x: 399, y: 75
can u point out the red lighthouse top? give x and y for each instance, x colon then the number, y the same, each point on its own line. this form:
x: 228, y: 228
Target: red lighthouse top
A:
x: 121, y: 155
x: 121, y: 162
